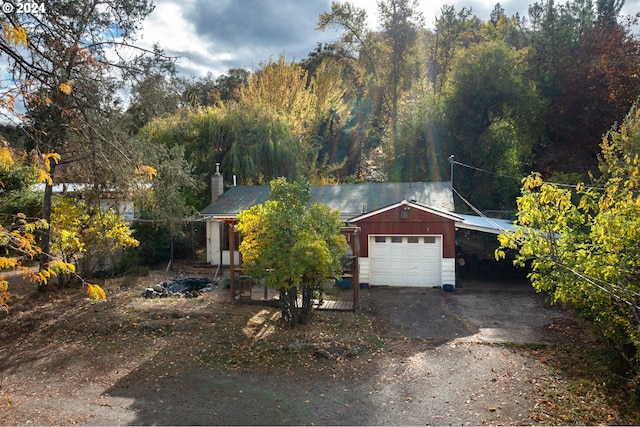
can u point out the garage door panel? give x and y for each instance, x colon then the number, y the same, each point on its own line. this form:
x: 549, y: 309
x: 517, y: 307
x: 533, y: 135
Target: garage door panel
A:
x: 396, y: 265
x: 405, y: 260
x: 414, y: 277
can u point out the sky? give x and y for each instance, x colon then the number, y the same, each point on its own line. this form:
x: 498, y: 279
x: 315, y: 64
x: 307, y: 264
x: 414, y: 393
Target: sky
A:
x: 212, y: 36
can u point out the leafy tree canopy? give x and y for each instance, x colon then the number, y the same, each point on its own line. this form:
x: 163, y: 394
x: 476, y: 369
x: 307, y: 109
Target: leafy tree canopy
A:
x: 492, y: 118
x: 88, y: 237
x: 291, y: 245
x: 583, y: 242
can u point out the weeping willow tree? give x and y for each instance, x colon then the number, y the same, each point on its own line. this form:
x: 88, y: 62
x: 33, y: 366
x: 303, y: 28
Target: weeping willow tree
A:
x: 284, y: 123
x: 204, y: 133
x: 264, y: 146
x: 254, y: 142
x: 283, y: 88
x: 267, y: 126
x: 315, y: 107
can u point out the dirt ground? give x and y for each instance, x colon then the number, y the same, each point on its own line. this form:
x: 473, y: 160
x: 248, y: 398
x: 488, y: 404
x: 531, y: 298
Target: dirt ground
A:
x: 478, y: 355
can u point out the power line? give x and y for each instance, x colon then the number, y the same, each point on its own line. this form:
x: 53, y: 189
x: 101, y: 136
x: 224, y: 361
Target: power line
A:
x: 592, y: 281
x: 519, y: 179
x: 485, y: 171
x: 478, y: 211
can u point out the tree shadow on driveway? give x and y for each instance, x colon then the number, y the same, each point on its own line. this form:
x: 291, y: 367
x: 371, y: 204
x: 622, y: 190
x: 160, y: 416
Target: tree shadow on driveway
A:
x: 437, y: 370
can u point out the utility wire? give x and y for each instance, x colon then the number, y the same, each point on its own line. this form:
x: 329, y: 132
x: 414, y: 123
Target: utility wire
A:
x: 485, y: 171
x: 479, y: 212
x: 519, y: 179
x: 592, y: 281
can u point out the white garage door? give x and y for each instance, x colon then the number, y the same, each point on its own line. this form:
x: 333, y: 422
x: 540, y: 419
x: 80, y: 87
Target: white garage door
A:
x: 405, y: 260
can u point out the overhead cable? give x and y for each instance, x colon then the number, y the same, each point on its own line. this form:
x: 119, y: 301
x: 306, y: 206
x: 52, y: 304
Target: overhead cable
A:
x: 519, y: 179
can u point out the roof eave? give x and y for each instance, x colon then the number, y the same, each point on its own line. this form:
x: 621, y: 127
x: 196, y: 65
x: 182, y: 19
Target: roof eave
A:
x: 434, y: 211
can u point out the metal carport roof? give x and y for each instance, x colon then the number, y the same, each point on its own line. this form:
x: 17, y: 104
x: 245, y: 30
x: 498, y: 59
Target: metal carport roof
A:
x: 485, y: 224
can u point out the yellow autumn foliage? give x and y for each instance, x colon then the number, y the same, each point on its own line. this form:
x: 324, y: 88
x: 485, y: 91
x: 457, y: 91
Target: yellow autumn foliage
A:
x: 8, y: 102
x: 42, y: 164
x: 6, y: 159
x: 14, y: 34
x: 96, y: 292
x: 150, y: 171
x: 4, y: 295
x: 66, y: 88
x: 7, y: 263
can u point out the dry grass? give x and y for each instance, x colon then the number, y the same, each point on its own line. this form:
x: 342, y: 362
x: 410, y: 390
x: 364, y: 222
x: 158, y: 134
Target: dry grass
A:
x: 65, y: 332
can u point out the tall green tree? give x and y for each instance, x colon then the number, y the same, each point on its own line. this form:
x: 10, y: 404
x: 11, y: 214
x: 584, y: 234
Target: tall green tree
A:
x: 385, y: 73
x: 155, y: 91
x: 292, y: 246
x: 421, y: 155
x: 493, y: 115
x: 401, y: 21
x: 352, y: 21
x: 229, y: 85
x: 450, y: 30
x: 168, y: 201
x: 511, y: 30
x: 369, y: 121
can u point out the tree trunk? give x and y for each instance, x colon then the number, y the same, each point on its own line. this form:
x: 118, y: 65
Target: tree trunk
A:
x: 307, y: 303
x: 288, y: 309
x: 291, y: 312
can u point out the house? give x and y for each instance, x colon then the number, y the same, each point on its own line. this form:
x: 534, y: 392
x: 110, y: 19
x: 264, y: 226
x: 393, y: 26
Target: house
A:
x: 110, y: 198
x: 407, y: 231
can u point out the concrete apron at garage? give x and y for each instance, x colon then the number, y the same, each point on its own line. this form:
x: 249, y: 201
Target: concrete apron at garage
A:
x: 480, y: 311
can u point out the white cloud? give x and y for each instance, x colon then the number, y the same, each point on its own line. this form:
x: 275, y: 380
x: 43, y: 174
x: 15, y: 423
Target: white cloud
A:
x: 214, y: 36
x: 178, y: 37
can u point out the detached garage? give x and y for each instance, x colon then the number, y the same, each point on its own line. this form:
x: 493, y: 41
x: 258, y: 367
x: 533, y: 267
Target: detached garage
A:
x: 407, y: 244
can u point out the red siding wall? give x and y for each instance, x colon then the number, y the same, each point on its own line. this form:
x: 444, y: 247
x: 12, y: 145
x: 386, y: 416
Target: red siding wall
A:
x: 416, y: 222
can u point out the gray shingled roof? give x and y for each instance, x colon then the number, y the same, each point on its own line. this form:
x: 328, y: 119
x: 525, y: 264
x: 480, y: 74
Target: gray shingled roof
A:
x: 350, y: 199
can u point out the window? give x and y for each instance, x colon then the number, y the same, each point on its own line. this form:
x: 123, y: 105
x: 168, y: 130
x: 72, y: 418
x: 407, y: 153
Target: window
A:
x: 396, y: 239
x: 404, y: 214
x: 413, y: 239
x: 430, y: 239
x: 381, y: 239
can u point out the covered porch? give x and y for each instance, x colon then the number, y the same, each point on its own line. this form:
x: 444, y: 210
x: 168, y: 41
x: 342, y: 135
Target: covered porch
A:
x: 331, y: 296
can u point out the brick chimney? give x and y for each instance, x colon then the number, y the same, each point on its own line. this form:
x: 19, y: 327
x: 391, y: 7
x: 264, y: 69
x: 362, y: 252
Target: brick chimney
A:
x: 217, y: 184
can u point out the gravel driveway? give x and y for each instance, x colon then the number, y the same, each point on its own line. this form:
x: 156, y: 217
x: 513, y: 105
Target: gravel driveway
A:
x: 445, y: 369
x: 479, y: 311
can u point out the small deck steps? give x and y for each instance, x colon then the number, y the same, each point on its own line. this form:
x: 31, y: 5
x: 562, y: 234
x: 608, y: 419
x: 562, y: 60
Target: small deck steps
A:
x: 257, y: 296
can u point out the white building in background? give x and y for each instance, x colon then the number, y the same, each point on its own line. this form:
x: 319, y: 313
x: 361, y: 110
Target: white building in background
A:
x: 109, y: 199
